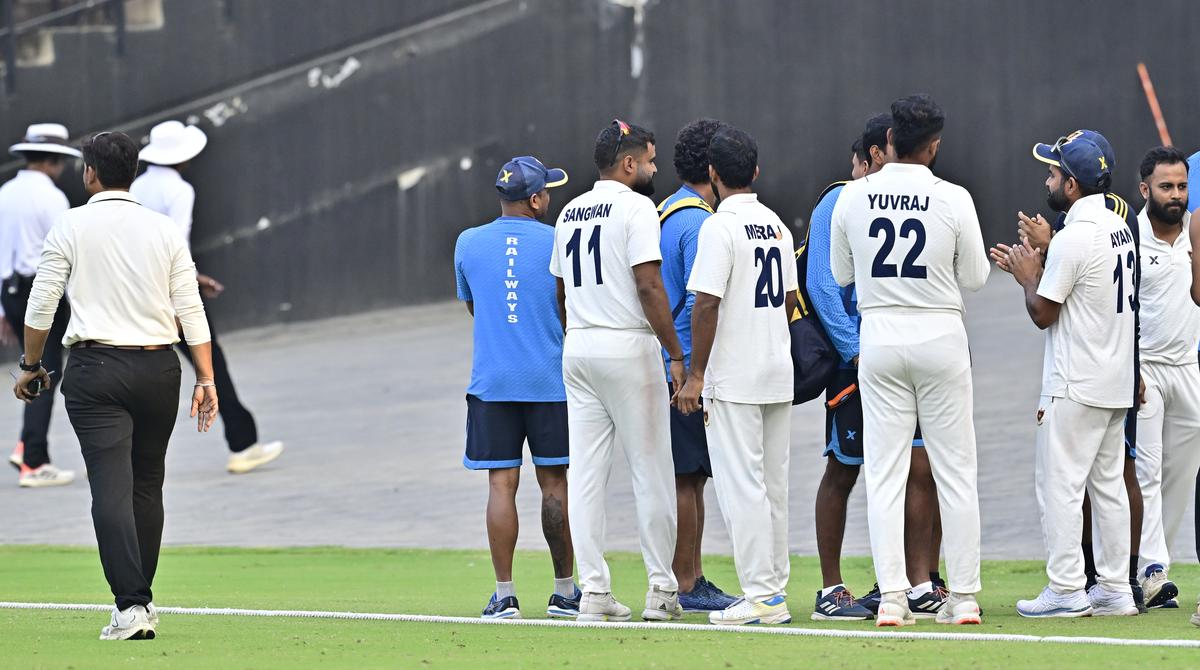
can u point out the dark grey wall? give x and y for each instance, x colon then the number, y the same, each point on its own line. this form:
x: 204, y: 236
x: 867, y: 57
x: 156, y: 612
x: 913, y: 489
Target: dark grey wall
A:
x: 345, y: 195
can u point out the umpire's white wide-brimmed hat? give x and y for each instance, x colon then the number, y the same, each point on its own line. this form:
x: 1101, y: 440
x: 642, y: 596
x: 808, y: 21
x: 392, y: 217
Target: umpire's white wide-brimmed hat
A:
x: 46, y: 138
x: 172, y: 143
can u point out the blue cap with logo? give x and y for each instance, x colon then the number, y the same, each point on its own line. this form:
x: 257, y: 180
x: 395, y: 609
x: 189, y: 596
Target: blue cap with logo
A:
x: 524, y: 176
x: 1084, y: 154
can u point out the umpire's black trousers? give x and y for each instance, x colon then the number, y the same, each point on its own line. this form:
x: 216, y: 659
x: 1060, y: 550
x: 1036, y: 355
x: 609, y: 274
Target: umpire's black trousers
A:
x: 14, y: 296
x: 122, y: 405
x: 240, y: 430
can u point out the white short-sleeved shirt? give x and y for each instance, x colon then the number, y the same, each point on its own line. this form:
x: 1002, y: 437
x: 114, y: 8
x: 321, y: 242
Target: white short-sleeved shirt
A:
x: 744, y: 257
x: 30, y: 203
x: 164, y: 190
x: 1089, y: 271
x: 1170, y: 320
x: 598, y: 238
x: 907, y: 239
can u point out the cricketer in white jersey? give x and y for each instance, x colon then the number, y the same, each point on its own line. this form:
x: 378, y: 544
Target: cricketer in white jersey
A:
x: 1084, y: 300
x: 745, y: 285
x: 606, y: 254
x: 909, y: 240
x: 1168, y: 437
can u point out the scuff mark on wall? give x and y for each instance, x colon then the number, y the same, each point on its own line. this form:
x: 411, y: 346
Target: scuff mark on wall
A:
x: 221, y: 112
x: 317, y: 77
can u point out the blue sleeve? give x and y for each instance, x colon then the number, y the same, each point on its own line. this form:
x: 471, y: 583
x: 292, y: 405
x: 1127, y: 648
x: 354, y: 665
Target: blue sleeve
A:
x: 688, y: 242
x: 460, y: 278
x: 825, y: 293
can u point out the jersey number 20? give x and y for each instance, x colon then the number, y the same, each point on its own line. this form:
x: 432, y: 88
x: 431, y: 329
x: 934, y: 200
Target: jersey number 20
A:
x: 593, y: 248
x: 910, y: 228
x: 769, y: 289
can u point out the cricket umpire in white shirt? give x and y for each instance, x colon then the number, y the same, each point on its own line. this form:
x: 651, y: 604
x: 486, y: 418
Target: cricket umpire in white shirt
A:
x: 129, y: 275
x: 163, y: 189
x: 30, y: 203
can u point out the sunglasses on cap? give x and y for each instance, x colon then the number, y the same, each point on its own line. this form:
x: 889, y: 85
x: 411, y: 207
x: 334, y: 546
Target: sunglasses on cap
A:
x: 622, y: 131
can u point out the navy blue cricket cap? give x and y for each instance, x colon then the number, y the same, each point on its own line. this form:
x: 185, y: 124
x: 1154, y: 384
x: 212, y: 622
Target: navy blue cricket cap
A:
x: 1085, y: 155
x: 524, y: 176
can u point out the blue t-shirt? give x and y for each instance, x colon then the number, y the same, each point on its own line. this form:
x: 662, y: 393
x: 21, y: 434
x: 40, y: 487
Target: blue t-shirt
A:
x: 836, y: 306
x: 680, y: 233
x: 1193, y: 181
x: 504, y: 268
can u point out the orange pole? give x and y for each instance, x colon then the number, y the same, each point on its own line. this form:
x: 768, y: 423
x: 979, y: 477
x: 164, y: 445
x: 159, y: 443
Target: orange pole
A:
x: 1152, y: 100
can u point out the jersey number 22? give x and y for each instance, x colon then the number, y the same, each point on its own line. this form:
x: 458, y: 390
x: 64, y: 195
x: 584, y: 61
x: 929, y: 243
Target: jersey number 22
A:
x: 910, y: 228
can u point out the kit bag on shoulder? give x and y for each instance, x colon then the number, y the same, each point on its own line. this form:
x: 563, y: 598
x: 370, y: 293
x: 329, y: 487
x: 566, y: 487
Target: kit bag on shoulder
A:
x: 815, y: 361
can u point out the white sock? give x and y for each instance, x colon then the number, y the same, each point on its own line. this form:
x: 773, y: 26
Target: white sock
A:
x: 830, y: 589
x: 921, y: 589
x: 565, y: 587
x: 504, y: 590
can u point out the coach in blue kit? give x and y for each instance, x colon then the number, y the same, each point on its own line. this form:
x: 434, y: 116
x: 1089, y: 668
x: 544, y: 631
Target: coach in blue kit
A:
x: 516, y: 392
x: 681, y: 215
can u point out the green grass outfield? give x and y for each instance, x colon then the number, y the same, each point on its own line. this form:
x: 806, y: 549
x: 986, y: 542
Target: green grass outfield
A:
x: 458, y: 583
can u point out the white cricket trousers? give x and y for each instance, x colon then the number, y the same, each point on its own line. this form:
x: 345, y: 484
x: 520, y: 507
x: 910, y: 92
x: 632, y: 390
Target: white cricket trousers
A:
x: 749, y: 446
x: 1078, y: 447
x: 916, y: 364
x: 1168, y: 454
x: 616, y: 395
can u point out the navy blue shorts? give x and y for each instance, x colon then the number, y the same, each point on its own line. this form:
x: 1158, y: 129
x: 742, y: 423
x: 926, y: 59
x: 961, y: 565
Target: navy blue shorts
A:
x: 844, y: 419
x: 497, y: 431
x: 689, y: 445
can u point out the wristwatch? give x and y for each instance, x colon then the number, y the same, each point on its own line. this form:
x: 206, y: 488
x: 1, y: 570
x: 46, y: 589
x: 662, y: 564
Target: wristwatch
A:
x: 28, y: 368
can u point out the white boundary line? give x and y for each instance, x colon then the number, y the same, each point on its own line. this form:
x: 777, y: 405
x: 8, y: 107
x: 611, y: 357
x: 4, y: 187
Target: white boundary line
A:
x: 758, y: 630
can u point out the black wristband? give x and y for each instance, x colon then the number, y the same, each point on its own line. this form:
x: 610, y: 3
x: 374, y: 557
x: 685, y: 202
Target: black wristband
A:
x: 678, y: 360
x: 28, y: 368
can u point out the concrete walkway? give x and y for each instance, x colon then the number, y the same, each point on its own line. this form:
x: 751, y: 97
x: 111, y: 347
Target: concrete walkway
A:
x: 372, y: 410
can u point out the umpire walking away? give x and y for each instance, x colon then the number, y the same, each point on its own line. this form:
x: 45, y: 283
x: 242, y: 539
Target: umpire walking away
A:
x: 129, y: 275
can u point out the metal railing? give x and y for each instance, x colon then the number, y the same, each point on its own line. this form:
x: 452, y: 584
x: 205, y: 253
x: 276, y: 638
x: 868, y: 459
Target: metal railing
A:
x: 10, y: 30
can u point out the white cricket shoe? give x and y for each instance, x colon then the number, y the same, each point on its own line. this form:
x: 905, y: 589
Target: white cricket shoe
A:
x: 1052, y: 604
x: 771, y: 611
x: 241, y: 462
x: 44, y: 475
x: 960, y: 609
x: 1196, y: 616
x: 152, y: 615
x: 1111, y: 603
x: 893, y: 610
x: 661, y: 605
x: 601, y: 607
x: 132, y: 623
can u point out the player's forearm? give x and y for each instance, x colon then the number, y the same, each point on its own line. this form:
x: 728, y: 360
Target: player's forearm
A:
x: 1043, y: 312
x: 35, y: 343
x: 704, y: 332
x: 653, y: 298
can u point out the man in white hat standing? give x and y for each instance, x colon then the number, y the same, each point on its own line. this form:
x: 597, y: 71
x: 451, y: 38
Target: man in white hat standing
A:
x: 162, y: 188
x: 29, y: 205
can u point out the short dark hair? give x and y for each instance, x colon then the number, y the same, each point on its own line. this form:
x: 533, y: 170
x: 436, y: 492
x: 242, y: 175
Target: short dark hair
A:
x: 1158, y: 155
x: 42, y: 157
x: 860, y: 154
x: 608, y: 152
x: 916, y: 120
x: 875, y: 133
x: 114, y: 157
x: 691, y: 150
x: 734, y: 155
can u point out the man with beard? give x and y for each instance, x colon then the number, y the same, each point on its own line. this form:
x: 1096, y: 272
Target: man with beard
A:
x: 1169, y: 420
x: 516, y: 392
x: 606, y: 256
x: 682, y: 214
x: 1038, y: 232
x: 1087, y: 308
x: 922, y: 246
